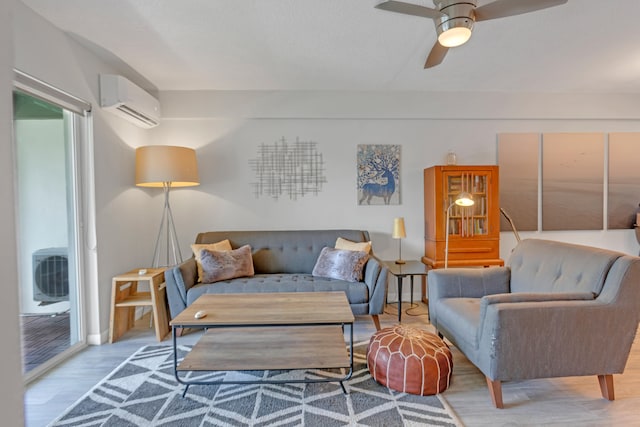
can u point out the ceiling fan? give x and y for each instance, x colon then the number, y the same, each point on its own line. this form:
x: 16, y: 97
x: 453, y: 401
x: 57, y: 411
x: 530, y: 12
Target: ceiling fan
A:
x: 454, y: 19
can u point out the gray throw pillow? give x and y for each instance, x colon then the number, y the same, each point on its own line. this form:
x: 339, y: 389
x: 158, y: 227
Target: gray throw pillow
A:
x: 223, y: 265
x: 340, y: 264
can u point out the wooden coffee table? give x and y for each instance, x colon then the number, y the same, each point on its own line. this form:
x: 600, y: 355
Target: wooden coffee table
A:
x: 263, y: 331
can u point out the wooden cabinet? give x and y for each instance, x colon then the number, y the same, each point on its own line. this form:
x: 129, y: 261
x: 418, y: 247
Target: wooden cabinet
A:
x: 474, y: 231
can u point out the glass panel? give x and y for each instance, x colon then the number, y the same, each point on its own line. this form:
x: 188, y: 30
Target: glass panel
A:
x: 46, y: 229
x: 467, y: 221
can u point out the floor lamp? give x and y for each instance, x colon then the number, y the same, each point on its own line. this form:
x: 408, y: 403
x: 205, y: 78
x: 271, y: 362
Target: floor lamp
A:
x: 510, y: 221
x: 166, y: 167
x: 463, y: 199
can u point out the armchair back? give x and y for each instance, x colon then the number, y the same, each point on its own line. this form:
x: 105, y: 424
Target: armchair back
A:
x: 556, y: 267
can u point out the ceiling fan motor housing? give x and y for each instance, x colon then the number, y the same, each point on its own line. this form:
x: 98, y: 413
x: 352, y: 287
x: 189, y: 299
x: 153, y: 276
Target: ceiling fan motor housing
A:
x: 457, y: 14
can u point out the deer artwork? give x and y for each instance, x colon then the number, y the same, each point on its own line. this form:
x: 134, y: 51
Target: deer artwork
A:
x: 385, y: 191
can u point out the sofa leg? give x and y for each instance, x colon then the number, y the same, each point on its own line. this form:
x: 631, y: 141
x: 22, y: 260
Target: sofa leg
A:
x: 606, y: 386
x: 495, y: 389
x: 376, y: 321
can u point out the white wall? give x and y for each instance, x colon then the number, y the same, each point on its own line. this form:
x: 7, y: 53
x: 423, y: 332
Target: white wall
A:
x: 227, y: 128
x: 11, y: 406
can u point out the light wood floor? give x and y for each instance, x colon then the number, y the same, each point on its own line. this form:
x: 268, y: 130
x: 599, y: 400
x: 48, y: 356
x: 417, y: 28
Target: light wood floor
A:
x: 551, y: 402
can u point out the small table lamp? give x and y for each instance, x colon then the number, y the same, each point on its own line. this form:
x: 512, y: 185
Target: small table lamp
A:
x: 464, y: 199
x: 399, y: 233
x: 166, y: 166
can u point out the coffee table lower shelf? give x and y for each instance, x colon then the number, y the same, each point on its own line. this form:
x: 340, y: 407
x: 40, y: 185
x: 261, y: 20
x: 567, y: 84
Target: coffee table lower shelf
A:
x: 260, y: 348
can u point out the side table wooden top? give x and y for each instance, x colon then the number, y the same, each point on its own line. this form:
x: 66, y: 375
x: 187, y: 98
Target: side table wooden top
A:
x: 135, y: 274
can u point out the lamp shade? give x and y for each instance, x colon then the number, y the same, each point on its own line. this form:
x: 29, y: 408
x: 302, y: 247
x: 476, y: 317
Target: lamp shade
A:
x: 398, y: 229
x: 464, y: 199
x: 160, y: 164
x: 454, y: 37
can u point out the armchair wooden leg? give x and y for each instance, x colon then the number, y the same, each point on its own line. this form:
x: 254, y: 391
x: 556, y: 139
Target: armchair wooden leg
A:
x: 606, y: 386
x: 495, y: 389
x: 376, y: 321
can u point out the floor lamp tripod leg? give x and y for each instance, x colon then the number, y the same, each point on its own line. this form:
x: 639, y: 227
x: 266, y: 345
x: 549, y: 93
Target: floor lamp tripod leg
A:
x: 172, y: 235
x: 156, y: 251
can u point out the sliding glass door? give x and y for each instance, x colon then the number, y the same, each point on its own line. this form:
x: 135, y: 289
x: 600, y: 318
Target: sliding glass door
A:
x: 49, y: 240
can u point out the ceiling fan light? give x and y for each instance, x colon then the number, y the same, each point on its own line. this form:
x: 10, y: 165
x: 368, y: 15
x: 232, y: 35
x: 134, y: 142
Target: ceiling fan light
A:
x: 455, y: 31
x: 454, y: 36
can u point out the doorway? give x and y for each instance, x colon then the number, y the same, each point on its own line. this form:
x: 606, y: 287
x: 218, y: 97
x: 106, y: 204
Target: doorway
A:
x: 48, y: 209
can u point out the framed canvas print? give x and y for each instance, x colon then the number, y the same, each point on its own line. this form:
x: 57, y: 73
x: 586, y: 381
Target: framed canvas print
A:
x: 378, y: 174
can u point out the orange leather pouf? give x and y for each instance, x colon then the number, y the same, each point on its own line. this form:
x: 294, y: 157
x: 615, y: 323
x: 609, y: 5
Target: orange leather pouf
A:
x: 410, y: 360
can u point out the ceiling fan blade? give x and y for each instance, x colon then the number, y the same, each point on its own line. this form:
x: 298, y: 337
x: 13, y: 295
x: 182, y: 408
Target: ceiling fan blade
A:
x: 410, y: 9
x: 504, y: 8
x: 436, y: 56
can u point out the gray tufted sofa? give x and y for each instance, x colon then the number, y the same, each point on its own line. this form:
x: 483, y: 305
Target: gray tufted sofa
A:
x: 556, y: 310
x: 283, y: 262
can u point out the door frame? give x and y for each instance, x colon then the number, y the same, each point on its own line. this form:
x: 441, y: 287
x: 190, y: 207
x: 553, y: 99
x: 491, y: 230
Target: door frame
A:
x: 80, y: 135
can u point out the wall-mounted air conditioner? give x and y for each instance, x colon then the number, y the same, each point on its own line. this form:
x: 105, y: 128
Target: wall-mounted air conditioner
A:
x: 129, y: 101
x: 51, y: 275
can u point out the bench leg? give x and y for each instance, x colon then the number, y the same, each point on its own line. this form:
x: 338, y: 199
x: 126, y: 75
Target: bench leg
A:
x: 606, y: 386
x: 376, y: 321
x: 495, y: 389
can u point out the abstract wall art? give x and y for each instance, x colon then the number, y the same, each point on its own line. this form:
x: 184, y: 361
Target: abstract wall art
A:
x: 378, y: 174
x: 572, y: 181
x: 518, y: 158
x: 624, y: 179
x: 285, y: 169
x: 581, y: 181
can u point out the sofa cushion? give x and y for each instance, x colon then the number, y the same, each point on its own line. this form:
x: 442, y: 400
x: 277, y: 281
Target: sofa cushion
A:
x: 223, y: 245
x: 223, y: 265
x: 461, y: 315
x: 348, y: 245
x: 340, y: 264
x: 357, y: 292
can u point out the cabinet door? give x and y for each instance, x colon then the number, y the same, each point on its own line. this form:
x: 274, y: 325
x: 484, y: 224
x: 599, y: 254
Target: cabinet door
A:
x: 468, y: 221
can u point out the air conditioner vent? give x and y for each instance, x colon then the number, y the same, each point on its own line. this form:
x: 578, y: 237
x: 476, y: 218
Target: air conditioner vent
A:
x: 129, y: 101
x: 137, y: 115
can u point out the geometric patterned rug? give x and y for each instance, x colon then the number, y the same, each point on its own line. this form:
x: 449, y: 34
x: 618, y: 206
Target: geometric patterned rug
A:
x: 142, y: 391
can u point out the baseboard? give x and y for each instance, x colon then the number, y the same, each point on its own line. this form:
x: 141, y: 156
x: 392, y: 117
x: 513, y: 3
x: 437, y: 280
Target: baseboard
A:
x: 98, y: 339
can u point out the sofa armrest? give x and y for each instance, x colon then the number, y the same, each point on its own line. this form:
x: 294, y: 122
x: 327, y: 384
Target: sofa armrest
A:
x: 179, y: 279
x: 526, y: 297
x: 539, y: 339
x: 534, y: 297
x: 376, y: 277
x: 468, y: 282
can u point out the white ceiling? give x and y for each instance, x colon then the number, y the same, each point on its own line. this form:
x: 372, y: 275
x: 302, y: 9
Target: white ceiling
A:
x: 582, y: 46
